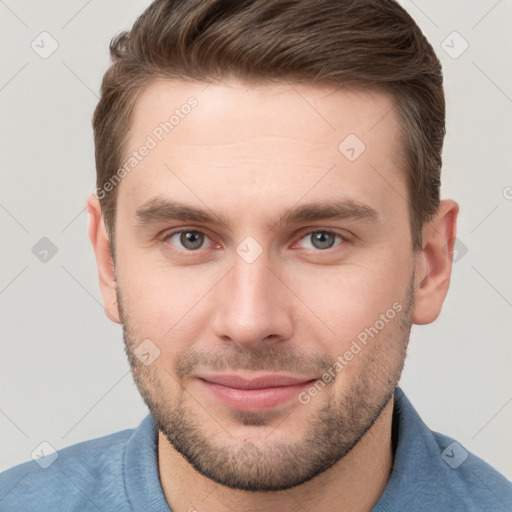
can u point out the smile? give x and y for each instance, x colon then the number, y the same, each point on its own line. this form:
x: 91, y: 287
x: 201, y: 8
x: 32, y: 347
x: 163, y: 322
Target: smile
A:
x: 257, y: 394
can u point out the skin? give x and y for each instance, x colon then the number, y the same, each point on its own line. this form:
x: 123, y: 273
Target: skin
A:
x: 248, y: 153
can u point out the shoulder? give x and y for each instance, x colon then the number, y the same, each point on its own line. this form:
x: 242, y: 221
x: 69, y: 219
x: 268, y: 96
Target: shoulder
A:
x: 74, y: 478
x: 473, y: 482
x: 433, y: 471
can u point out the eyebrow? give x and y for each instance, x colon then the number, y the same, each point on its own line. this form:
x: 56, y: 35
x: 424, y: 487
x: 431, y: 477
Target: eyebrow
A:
x: 161, y: 210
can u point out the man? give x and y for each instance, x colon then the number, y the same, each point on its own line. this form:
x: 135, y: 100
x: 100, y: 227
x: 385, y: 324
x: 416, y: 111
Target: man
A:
x: 267, y: 227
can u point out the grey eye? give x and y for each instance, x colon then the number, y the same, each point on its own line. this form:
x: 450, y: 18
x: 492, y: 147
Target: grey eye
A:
x: 321, y: 239
x: 190, y: 240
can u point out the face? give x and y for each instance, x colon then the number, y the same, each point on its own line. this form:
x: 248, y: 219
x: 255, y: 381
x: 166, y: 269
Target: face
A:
x: 265, y: 273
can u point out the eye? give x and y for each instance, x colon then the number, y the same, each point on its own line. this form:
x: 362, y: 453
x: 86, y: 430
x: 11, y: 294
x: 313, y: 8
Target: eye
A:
x: 189, y: 239
x: 321, y: 239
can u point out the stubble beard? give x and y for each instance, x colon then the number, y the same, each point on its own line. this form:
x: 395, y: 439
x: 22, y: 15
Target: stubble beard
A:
x: 271, y: 464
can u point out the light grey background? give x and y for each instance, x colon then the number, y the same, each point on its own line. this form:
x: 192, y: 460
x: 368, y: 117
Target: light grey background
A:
x: 64, y: 376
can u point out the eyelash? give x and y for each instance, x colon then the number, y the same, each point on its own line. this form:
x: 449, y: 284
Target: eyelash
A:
x: 344, y: 238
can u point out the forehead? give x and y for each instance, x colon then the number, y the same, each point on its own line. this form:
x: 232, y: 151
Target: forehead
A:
x: 221, y: 138
x: 320, y: 109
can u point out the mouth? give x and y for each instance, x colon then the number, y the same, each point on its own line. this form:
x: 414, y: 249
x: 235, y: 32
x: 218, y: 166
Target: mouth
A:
x: 257, y: 393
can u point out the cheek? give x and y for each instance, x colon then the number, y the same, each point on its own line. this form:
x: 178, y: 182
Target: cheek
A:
x: 364, y: 309
x: 163, y: 304
x: 348, y: 299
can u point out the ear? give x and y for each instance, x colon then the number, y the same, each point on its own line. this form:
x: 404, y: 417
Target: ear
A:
x: 104, y: 261
x: 434, y: 263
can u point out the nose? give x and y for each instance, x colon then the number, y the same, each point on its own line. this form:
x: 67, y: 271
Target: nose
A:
x: 253, y: 306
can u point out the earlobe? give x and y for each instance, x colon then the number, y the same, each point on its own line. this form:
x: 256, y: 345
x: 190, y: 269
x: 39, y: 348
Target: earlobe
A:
x: 434, y: 263
x: 104, y: 261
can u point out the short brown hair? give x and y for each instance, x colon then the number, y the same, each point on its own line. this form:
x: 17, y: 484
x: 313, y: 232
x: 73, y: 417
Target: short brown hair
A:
x: 362, y: 43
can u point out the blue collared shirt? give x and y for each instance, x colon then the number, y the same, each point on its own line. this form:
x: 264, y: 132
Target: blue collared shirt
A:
x: 119, y: 473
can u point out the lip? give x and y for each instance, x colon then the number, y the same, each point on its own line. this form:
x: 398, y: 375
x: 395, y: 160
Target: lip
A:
x: 257, y: 393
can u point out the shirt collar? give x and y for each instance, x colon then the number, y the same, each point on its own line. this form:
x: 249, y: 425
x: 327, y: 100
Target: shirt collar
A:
x: 415, y: 454
x: 141, y: 475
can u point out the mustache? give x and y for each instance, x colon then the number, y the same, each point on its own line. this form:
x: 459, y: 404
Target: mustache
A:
x: 275, y: 359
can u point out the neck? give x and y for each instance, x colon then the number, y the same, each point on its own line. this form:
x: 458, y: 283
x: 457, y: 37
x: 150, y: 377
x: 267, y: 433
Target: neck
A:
x: 353, y: 484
